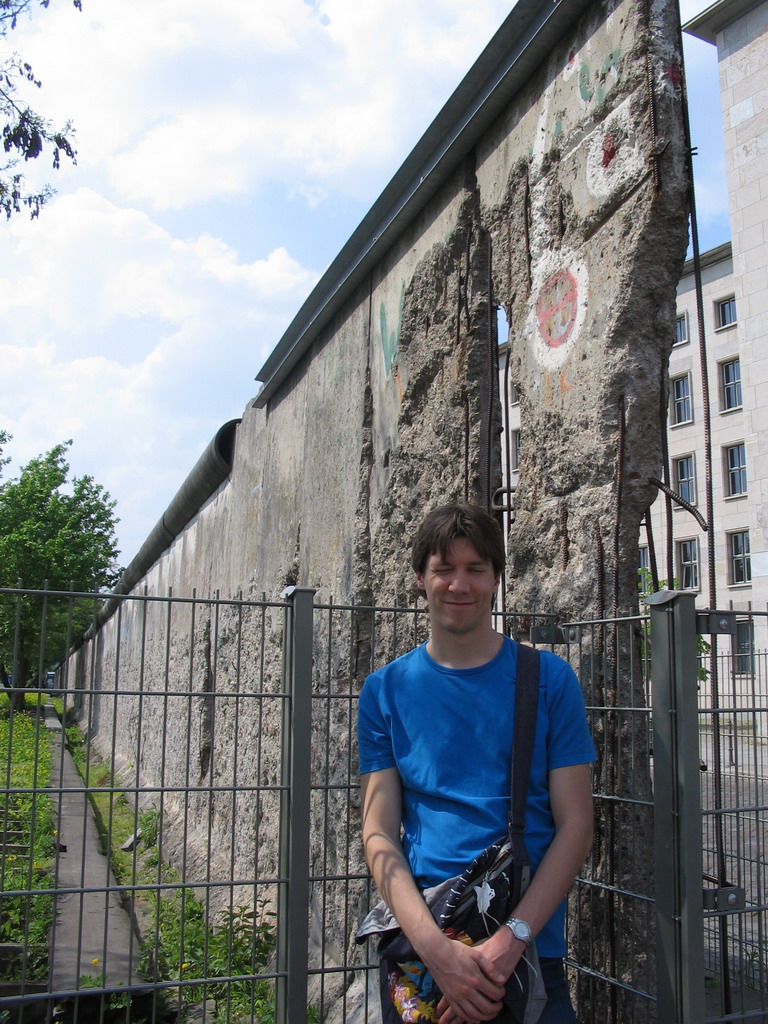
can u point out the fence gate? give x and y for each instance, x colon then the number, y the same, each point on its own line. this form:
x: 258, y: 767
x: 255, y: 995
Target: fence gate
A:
x: 710, y: 730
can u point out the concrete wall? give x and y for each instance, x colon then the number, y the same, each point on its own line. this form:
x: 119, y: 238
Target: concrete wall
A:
x: 563, y: 216
x: 571, y: 214
x: 566, y: 217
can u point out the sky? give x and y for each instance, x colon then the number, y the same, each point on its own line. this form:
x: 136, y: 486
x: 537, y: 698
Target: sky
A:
x: 225, y: 154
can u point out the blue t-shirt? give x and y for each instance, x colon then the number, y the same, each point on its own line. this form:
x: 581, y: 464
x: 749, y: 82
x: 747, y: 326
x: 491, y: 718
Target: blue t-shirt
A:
x: 449, y: 734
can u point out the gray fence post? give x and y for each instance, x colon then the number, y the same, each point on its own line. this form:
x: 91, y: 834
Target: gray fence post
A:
x: 293, y: 902
x: 677, y: 802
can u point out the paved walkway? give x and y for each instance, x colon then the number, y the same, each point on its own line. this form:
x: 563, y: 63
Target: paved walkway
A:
x: 92, y: 933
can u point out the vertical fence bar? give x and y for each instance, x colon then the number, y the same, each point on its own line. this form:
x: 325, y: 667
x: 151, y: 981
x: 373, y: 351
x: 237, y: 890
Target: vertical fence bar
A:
x: 677, y: 819
x: 293, y: 904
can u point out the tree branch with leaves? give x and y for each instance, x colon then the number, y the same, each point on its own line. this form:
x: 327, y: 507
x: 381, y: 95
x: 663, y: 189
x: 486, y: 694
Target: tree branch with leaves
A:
x: 25, y: 133
x: 55, y: 534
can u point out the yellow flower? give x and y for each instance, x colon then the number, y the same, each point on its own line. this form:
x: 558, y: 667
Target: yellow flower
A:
x: 184, y: 966
x: 95, y: 961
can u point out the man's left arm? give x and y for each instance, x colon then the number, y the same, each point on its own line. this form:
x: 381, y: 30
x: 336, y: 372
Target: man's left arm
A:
x: 570, y: 791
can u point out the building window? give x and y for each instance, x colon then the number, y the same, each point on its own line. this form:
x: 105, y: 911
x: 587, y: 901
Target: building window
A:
x: 685, y: 480
x: 744, y: 647
x: 738, y: 557
x: 730, y: 385
x: 688, y: 564
x: 514, y: 394
x: 735, y: 470
x: 681, y: 400
x: 681, y: 329
x: 645, y: 559
x: 725, y: 313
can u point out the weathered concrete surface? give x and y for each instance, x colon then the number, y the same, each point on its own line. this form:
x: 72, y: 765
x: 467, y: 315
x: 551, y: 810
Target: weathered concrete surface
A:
x: 571, y: 214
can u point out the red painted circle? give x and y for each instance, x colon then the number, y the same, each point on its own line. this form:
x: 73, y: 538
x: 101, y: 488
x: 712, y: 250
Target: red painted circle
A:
x: 556, y: 308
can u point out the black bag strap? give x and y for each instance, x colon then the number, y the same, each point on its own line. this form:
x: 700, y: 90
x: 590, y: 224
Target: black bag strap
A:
x: 526, y: 703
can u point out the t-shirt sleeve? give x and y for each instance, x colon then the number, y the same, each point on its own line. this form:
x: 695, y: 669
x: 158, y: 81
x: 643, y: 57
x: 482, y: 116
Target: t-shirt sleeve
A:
x: 374, y: 737
x: 569, y: 739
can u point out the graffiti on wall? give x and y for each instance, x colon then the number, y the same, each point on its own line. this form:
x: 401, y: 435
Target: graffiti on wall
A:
x: 557, y: 309
x: 388, y: 336
x: 593, y: 85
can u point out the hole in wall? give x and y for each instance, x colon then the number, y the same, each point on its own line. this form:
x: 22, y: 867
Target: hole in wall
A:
x: 503, y: 501
x: 502, y: 326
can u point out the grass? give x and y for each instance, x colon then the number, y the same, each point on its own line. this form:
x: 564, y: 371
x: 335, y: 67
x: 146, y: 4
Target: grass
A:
x: 27, y: 820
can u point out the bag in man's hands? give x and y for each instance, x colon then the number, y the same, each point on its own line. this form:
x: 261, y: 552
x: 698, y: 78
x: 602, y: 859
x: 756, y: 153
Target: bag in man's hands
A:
x: 468, y: 908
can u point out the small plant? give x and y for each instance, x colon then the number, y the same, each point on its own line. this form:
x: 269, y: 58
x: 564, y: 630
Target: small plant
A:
x: 92, y: 981
x: 115, y: 1000
x: 753, y: 970
x: 189, y: 948
x: 703, y: 647
x: 149, y: 827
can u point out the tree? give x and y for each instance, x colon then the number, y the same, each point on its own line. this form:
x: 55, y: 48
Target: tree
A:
x: 54, y: 535
x: 5, y: 437
x: 25, y: 133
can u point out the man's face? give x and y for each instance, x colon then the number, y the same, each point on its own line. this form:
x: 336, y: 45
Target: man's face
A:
x: 459, y: 588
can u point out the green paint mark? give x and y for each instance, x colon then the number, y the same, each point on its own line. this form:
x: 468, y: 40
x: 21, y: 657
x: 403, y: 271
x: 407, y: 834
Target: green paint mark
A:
x: 389, y: 338
x: 589, y: 92
x: 585, y: 89
x: 611, y: 61
x: 558, y: 129
x: 388, y: 341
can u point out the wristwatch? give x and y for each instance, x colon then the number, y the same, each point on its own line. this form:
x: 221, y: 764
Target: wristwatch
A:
x: 520, y: 929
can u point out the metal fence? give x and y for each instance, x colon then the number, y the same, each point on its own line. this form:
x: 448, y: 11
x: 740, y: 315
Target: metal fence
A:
x: 710, y: 715
x: 207, y: 746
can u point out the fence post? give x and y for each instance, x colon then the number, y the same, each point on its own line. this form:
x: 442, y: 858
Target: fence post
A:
x: 677, y: 809
x: 293, y: 903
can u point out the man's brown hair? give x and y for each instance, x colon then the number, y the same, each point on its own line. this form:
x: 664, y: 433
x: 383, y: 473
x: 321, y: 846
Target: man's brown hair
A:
x: 444, y: 525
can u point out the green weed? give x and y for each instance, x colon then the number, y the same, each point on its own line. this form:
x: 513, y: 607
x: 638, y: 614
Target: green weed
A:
x: 29, y: 819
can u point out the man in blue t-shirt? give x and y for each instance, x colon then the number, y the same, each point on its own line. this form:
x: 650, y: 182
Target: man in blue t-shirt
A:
x: 435, y: 735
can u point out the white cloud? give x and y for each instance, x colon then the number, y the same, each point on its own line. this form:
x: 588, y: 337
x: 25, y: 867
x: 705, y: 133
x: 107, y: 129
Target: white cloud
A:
x: 136, y: 344
x: 277, y: 275
x: 185, y: 159
x: 439, y: 38
x: 178, y: 104
x: 313, y: 195
x: 89, y: 263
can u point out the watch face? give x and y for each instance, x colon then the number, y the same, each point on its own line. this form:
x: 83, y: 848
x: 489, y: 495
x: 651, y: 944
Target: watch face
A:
x: 521, y: 930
